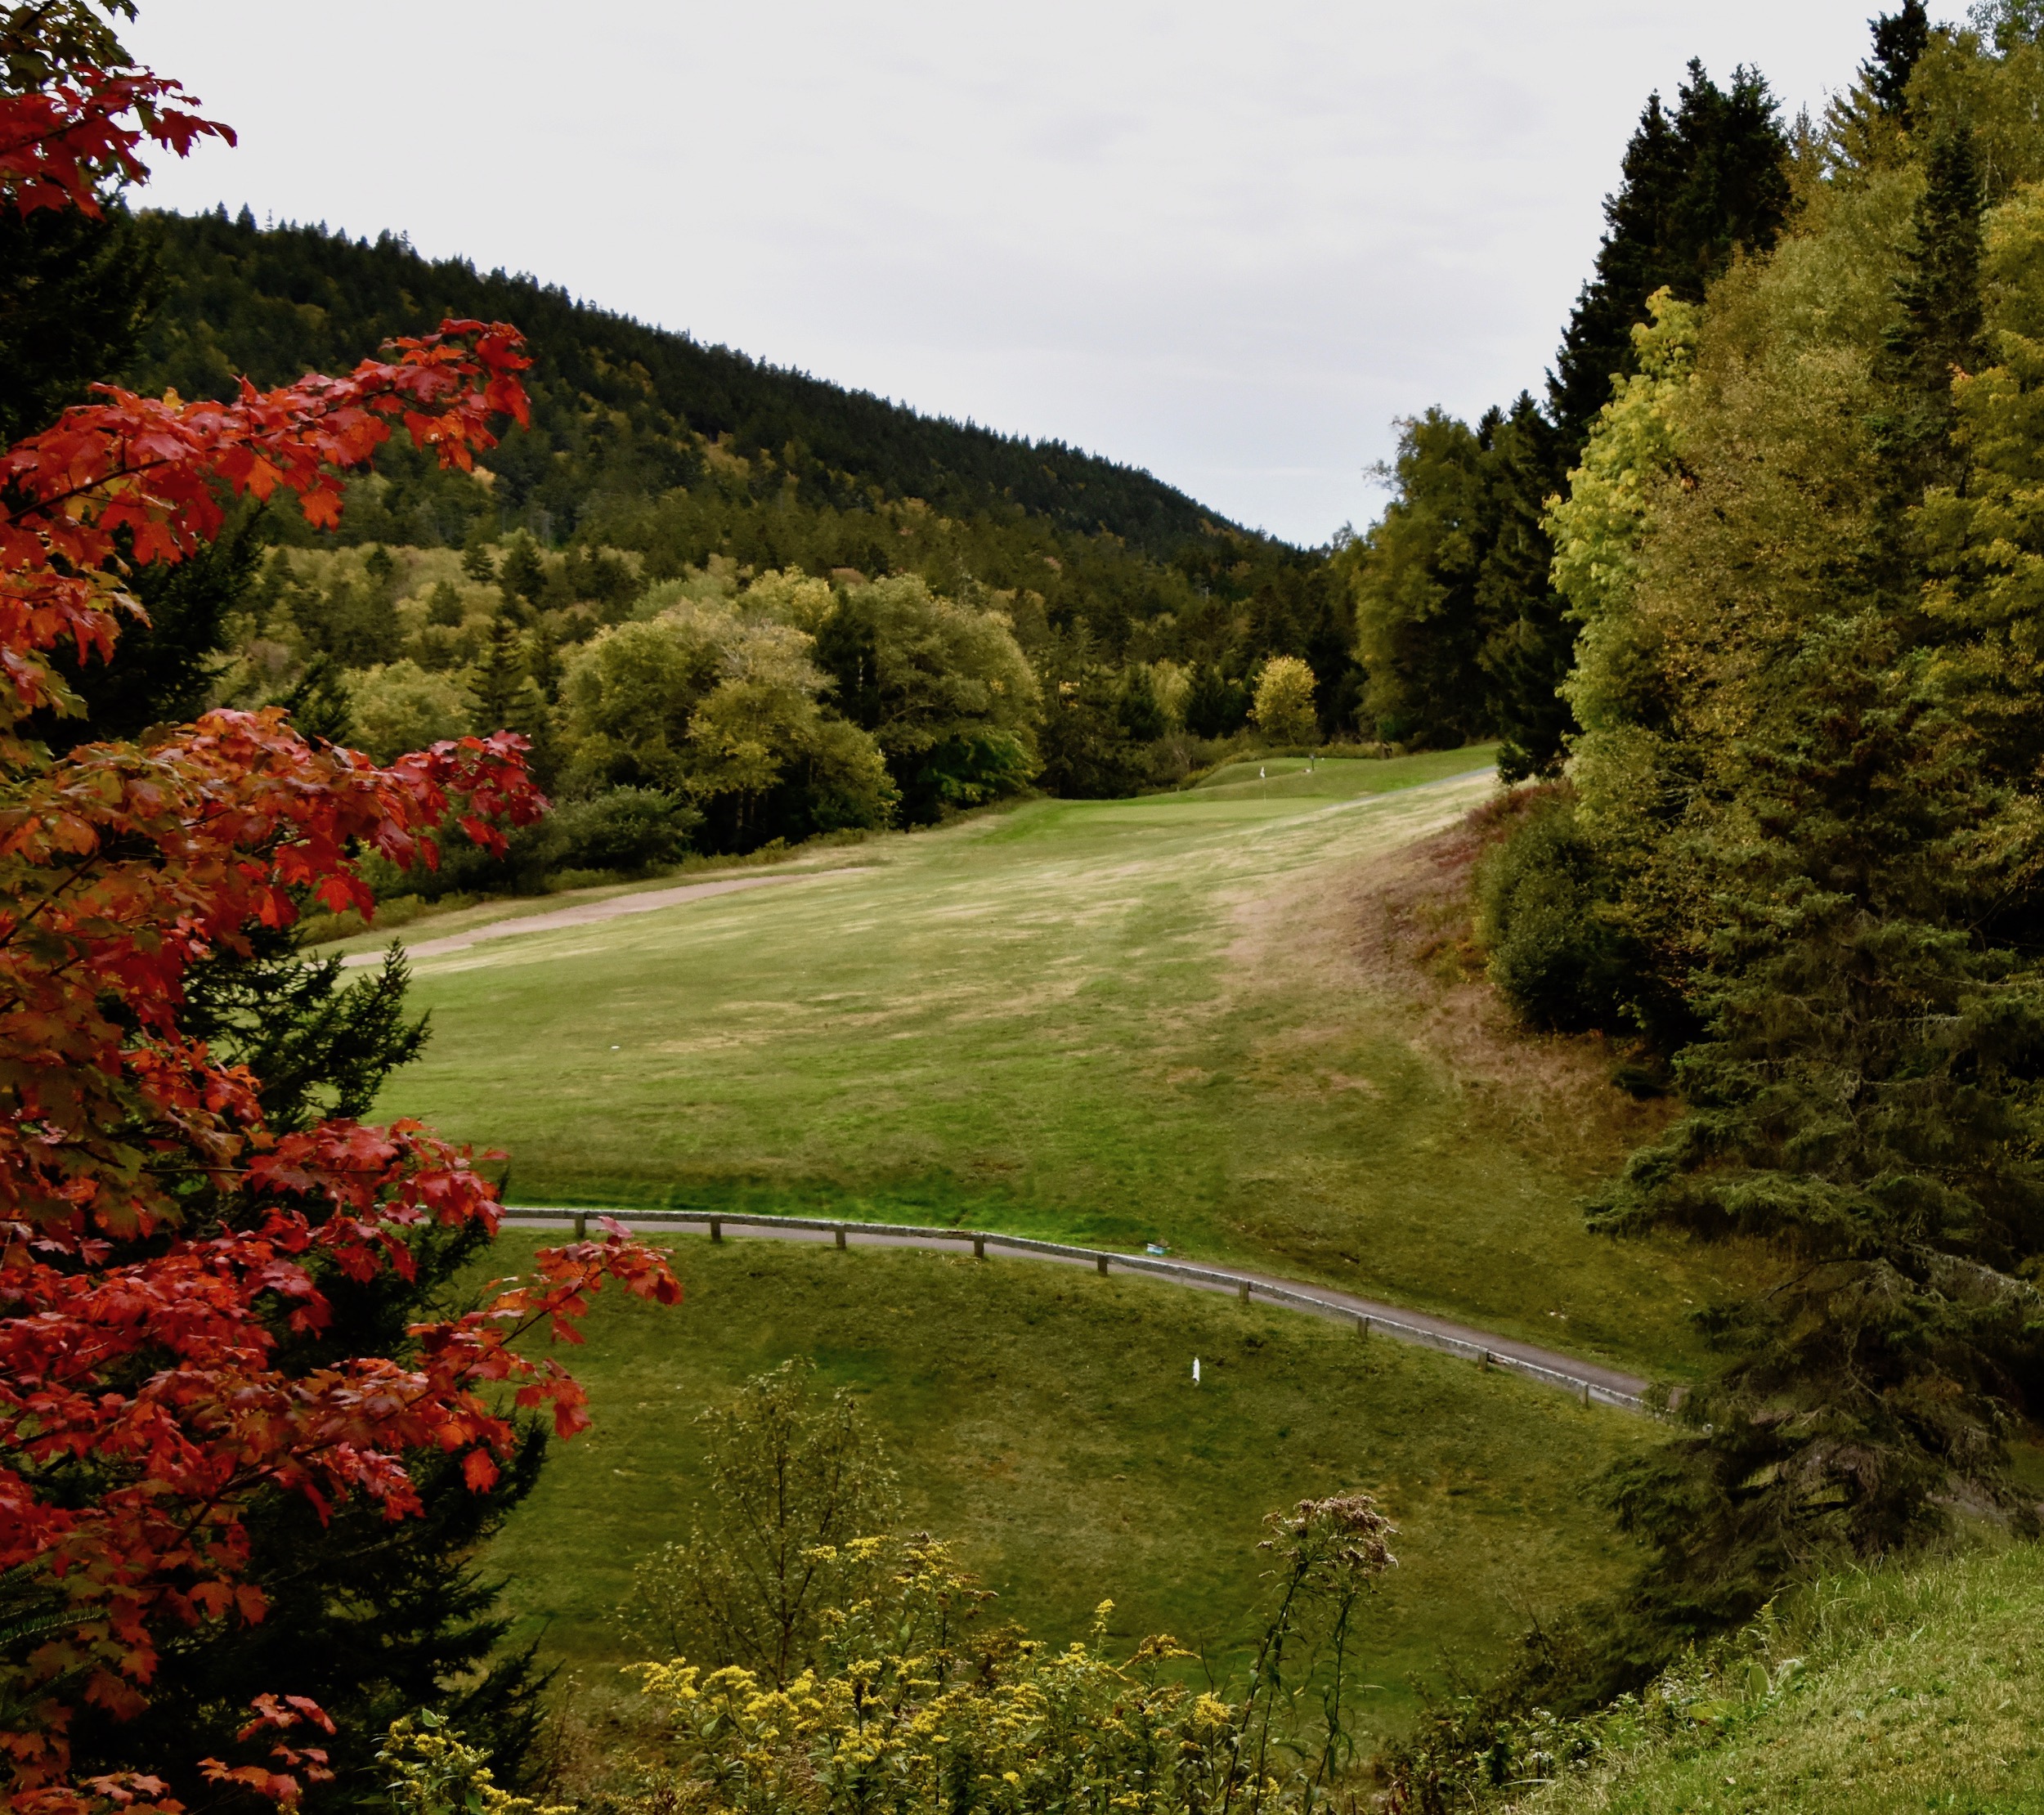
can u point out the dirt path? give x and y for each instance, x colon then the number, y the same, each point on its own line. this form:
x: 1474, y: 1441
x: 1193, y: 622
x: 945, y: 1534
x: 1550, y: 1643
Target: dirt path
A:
x: 588, y: 912
x: 1586, y: 1380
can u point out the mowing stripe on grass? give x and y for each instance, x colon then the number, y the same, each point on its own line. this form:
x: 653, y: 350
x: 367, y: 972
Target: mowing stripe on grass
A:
x: 588, y: 912
x: 1592, y: 1384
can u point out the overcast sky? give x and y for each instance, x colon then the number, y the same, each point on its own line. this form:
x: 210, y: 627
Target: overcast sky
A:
x: 1226, y: 243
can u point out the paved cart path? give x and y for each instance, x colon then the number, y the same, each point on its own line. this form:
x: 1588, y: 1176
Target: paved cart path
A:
x: 1588, y: 1380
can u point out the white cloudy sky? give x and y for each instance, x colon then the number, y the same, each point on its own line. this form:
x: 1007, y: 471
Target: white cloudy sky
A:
x: 1227, y: 242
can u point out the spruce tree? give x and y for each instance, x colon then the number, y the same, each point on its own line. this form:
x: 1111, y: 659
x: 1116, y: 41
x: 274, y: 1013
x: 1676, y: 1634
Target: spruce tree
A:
x: 1864, y: 1102
x: 499, y: 672
x: 1216, y: 704
x: 1695, y: 187
x: 1529, y: 639
x: 74, y: 295
x: 1937, y: 328
x: 1137, y: 708
x: 443, y: 607
x: 371, y: 1619
x: 1900, y: 38
x: 479, y: 560
x: 523, y: 574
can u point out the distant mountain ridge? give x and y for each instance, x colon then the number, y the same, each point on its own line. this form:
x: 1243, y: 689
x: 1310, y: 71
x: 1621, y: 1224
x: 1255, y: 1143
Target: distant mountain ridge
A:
x: 621, y: 405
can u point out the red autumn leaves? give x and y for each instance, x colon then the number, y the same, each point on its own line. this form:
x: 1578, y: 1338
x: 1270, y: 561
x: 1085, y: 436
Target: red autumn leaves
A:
x: 157, y: 1242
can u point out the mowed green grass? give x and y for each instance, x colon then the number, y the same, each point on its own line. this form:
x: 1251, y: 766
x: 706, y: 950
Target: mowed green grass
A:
x: 1045, y: 1421
x: 1115, y: 1022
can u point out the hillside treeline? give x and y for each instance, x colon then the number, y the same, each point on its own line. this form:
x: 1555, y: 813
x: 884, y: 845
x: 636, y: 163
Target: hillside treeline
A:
x: 1795, y: 857
x: 654, y: 463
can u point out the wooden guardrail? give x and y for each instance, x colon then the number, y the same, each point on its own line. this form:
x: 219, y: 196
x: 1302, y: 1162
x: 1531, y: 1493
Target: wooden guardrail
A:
x: 1374, y: 1319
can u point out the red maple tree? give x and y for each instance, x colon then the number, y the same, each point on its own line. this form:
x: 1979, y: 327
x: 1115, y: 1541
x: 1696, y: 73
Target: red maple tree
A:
x: 140, y: 1406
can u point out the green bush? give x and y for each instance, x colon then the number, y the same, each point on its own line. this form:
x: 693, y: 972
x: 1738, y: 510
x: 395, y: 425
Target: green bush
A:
x: 631, y: 831
x: 622, y: 831
x: 1542, y: 920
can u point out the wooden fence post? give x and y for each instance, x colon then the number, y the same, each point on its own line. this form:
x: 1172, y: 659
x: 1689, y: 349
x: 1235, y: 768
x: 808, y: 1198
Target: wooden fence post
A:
x: 716, y: 1230
x: 581, y: 1225
x: 840, y: 1235
x: 1101, y: 1261
x: 1242, y: 1290
x: 1362, y: 1326
x: 979, y: 1247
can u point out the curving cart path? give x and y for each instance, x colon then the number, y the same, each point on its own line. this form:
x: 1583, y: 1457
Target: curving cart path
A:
x: 1586, y: 1380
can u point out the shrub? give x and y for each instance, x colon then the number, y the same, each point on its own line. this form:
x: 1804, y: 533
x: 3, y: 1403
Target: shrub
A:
x: 630, y: 831
x: 793, y: 1477
x: 913, y: 1709
x: 626, y: 832
x: 1542, y: 919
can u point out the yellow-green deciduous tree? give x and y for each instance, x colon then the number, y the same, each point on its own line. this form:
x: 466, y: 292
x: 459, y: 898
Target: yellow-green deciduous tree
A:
x: 723, y: 703
x: 792, y: 1478
x: 1284, y: 708
x: 400, y: 706
x: 942, y: 686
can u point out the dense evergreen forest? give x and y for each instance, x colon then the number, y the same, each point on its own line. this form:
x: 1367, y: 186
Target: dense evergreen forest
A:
x: 619, y: 407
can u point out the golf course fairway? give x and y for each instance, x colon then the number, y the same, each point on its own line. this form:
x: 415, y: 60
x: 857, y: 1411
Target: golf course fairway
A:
x: 1116, y: 1022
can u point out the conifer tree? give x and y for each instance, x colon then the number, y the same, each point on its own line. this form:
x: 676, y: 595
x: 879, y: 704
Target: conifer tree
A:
x: 1899, y: 39
x: 443, y: 607
x: 1529, y: 639
x: 1137, y: 708
x: 478, y: 563
x: 1936, y: 332
x: 1216, y: 704
x: 1695, y: 187
x: 75, y: 294
x: 499, y: 674
x: 370, y: 1620
x: 543, y: 663
x: 523, y: 574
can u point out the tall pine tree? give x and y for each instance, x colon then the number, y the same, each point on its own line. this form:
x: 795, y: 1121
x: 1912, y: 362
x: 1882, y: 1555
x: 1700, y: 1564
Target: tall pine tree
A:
x: 1529, y: 639
x: 1900, y: 38
x: 1695, y: 187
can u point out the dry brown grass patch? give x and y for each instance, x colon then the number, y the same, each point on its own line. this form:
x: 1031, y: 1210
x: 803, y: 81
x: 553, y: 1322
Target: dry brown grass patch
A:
x: 1411, y: 932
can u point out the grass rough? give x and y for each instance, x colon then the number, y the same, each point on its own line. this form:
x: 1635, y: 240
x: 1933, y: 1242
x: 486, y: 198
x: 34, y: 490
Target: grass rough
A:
x: 1904, y: 1690
x: 1045, y: 1421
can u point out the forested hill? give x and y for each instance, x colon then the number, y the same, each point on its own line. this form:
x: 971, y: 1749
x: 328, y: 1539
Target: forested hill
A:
x: 615, y: 401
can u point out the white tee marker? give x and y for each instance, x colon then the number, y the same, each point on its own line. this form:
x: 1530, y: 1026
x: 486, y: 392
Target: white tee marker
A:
x: 1195, y: 1370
